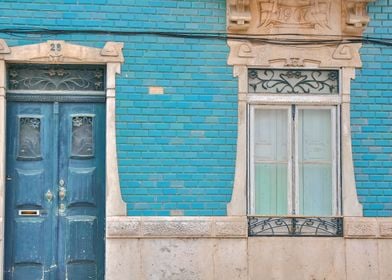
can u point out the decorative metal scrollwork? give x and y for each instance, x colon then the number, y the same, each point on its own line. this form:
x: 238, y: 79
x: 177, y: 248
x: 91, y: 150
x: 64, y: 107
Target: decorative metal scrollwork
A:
x: 29, y: 138
x: 293, y: 81
x: 295, y: 226
x: 56, y: 77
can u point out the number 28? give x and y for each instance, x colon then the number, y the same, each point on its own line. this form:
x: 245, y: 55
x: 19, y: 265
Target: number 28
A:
x: 55, y: 47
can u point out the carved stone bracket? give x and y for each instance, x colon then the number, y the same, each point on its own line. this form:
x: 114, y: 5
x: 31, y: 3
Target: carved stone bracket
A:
x: 355, y: 17
x: 239, y: 16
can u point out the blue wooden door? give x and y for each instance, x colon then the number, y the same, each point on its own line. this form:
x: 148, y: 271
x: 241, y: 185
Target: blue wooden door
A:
x: 55, y: 191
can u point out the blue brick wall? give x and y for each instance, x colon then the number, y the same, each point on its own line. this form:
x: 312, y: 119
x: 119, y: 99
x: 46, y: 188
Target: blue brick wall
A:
x: 372, y: 117
x: 176, y: 150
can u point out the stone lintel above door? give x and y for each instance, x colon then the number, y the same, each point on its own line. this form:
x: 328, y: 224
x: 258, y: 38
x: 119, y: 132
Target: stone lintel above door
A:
x: 61, y: 52
x: 304, y: 17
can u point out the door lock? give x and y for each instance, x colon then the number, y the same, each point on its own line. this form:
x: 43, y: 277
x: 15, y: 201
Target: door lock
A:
x: 62, y: 190
x: 62, y: 193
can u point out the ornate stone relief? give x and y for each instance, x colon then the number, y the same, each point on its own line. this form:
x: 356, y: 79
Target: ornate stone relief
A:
x: 355, y: 18
x: 368, y: 227
x: 304, y: 17
x: 286, y: 16
x: 302, y: 13
x: 182, y: 227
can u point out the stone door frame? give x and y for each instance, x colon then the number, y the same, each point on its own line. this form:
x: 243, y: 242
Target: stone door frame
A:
x: 61, y: 52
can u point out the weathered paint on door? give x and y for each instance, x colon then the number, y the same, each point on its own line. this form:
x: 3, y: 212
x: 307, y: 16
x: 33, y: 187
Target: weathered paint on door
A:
x: 55, y: 191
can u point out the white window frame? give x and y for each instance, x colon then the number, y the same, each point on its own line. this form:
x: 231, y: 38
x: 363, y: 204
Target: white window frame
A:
x: 293, y: 189
x: 285, y: 101
x: 245, y: 54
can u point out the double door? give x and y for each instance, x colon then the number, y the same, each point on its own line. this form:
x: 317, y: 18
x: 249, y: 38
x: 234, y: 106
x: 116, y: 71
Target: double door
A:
x: 55, y: 190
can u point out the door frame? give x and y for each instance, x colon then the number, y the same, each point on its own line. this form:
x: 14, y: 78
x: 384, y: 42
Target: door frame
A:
x: 61, y: 52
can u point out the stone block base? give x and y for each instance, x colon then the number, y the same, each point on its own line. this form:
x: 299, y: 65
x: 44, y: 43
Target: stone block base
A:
x: 135, y: 249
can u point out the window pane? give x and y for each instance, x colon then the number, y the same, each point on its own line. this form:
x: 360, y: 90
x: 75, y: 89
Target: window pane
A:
x: 29, y: 138
x: 315, y: 161
x: 270, y: 161
x: 82, y: 136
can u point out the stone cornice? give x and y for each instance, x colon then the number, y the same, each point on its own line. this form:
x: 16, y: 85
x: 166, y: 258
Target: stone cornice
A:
x: 56, y: 51
x: 243, y: 52
x: 305, y: 17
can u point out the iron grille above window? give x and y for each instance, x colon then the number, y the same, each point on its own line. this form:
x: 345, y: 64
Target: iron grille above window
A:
x: 293, y: 81
x: 65, y: 78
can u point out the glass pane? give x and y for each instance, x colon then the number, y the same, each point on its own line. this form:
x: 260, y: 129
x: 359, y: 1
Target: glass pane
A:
x: 270, y: 161
x: 29, y: 138
x: 315, y: 161
x: 82, y: 136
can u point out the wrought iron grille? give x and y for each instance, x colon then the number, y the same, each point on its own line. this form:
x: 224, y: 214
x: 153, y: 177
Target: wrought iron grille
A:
x: 293, y: 81
x: 295, y: 226
x: 30, y: 77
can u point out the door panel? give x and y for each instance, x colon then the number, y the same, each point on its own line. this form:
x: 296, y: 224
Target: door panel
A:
x: 31, y: 230
x: 81, y: 186
x: 55, y: 191
x: 82, y: 169
x: 27, y: 180
x: 29, y: 246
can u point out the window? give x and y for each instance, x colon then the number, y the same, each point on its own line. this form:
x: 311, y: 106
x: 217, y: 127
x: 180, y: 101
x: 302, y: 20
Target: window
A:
x: 294, y: 144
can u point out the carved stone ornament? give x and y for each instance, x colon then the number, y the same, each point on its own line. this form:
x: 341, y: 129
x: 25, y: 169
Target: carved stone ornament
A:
x: 304, y: 14
x: 304, y: 17
x: 266, y: 55
x: 355, y: 17
x: 239, y: 14
x: 56, y: 51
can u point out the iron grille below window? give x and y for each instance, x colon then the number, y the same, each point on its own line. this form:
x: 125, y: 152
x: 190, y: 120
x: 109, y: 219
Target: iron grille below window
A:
x: 295, y: 226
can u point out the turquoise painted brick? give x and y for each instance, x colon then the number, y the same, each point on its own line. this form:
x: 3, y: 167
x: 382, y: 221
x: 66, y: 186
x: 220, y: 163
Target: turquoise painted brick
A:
x: 176, y: 151
x: 371, y: 117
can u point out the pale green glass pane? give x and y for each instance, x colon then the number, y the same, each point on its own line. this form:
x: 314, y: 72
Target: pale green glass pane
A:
x: 270, y: 135
x: 315, y: 189
x: 314, y: 135
x: 315, y: 162
x: 271, y: 161
x: 271, y: 189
